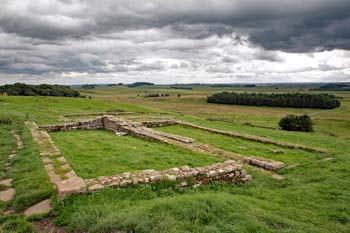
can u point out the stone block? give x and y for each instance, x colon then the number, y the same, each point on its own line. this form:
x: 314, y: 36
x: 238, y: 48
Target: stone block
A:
x: 43, y: 207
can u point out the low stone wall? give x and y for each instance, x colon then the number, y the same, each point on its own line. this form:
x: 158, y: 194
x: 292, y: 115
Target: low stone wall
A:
x: 154, y: 124
x: 229, y: 171
x: 84, y: 124
x: 255, y: 138
x: 266, y: 164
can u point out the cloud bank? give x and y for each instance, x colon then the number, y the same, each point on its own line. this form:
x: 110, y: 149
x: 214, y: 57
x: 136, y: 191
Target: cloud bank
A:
x: 214, y: 41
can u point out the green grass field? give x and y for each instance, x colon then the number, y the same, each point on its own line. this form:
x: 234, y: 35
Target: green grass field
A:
x: 100, y: 153
x: 241, y: 146
x: 313, y: 197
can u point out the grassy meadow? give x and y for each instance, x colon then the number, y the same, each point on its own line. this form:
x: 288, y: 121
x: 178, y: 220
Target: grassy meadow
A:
x: 101, y: 153
x: 314, y: 195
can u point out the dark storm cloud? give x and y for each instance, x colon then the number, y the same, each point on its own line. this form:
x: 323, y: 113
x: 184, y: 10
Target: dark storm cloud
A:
x: 219, y: 40
x: 274, y: 24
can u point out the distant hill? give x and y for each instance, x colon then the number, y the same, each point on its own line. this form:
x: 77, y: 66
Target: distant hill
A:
x: 140, y: 84
x: 333, y: 87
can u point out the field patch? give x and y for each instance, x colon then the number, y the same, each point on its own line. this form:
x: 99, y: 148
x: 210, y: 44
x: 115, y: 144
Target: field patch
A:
x: 96, y: 153
x: 240, y: 146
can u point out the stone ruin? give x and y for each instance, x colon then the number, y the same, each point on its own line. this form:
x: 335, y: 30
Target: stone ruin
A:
x: 70, y: 183
x: 143, y: 130
x: 230, y: 170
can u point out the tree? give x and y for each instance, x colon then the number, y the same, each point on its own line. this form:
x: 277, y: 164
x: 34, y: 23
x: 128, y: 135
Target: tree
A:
x: 296, y: 123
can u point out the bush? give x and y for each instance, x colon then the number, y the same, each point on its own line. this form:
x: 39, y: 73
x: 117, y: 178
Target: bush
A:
x: 296, y: 123
x: 5, y: 120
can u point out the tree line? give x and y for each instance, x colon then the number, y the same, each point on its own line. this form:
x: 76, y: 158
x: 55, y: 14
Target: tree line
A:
x: 21, y: 89
x: 297, y: 100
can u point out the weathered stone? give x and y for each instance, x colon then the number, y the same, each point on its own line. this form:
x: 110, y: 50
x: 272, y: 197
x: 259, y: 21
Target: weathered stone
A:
x: 62, y: 159
x: 43, y: 207
x: 7, y: 194
x: 183, y: 184
x: 65, y: 167
x: 54, y: 178
x: 247, y: 178
x: 277, y: 177
x: 49, y: 167
x: 171, y: 177
x: 6, y: 182
x: 71, y: 186
x: 47, y: 161
x: 212, y: 173
x: 11, y: 156
x: 70, y: 174
x: 277, y: 151
x: 95, y: 187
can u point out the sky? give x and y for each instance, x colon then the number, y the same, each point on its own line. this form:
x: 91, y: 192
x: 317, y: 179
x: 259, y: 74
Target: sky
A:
x: 179, y: 41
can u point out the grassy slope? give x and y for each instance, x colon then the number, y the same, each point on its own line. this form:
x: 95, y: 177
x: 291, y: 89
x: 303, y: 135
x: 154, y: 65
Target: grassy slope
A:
x: 97, y: 153
x: 314, y: 196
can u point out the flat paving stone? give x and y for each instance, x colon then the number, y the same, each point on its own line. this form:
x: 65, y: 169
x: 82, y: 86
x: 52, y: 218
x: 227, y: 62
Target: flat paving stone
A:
x: 62, y: 159
x: 70, y: 186
x: 11, y: 156
x: 7, y: 194
x: 43, y: 207
x: 277, y: 177
x: 47, y: 160
x: 6, y: 182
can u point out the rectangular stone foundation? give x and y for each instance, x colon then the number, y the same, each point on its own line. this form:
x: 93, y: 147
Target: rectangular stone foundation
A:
x: 142, y: 130
x: 229, y: 171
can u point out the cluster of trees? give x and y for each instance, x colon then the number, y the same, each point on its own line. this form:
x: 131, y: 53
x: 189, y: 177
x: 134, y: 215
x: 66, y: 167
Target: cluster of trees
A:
x: 38, y: 90
x: 296, y: 123
x: 156, y: 95
x: 140, y: 84
x: 232, y: 85
x: 181, y: 87
x: 114, y: 84
x: 298, y: 100
x: 88, y: 86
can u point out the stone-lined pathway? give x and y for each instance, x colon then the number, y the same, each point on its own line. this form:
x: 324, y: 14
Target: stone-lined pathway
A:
x: 9, y: 192
x: 65, y: 182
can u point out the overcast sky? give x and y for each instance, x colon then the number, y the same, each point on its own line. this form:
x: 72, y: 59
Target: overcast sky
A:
x: 178, y: 41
